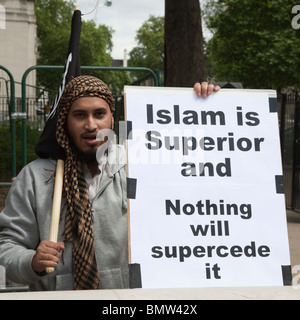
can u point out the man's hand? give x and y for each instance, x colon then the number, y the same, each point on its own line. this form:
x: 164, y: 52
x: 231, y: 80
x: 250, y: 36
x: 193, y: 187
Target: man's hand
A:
x: 204, y: 89
x: 47, y: 255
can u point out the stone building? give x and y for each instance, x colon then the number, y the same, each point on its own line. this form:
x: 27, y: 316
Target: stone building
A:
x: 18, y: 39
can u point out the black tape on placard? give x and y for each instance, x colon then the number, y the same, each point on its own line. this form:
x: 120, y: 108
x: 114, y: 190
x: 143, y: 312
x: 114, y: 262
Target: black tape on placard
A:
x: 273, y: 105
x: 135, y: 277
x: 279, y: 180
x: 131, y: 188
x: 287, y: 275
x: 129, y: 130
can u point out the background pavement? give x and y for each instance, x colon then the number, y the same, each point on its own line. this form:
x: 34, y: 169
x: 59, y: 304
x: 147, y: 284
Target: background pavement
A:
x: 293, y: 219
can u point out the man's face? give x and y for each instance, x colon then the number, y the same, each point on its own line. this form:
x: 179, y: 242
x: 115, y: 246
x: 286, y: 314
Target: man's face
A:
x: 86, y: 117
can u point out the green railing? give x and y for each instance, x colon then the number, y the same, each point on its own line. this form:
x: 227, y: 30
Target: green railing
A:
x: 12, y: 112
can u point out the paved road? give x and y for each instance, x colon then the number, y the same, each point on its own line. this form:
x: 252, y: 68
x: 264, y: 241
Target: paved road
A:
x: 293, y: 219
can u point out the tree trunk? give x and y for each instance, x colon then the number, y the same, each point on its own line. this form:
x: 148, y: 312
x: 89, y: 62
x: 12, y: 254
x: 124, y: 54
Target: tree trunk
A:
x: 184, y: 54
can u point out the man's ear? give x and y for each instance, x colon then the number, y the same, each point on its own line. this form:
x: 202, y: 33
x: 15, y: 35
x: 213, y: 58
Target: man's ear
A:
x: 112, y: 122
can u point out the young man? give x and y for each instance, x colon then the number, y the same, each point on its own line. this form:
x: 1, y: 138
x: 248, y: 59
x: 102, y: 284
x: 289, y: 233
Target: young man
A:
x: 92, y: 250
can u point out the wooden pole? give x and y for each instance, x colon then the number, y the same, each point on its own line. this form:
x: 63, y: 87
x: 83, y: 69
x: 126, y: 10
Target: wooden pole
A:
x: 58, y: 188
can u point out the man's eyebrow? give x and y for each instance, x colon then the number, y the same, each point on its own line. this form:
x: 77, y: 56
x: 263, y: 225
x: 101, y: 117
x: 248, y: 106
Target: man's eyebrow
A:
x: 78, y: 110
x: 101, y: 109
x: 84, y: 110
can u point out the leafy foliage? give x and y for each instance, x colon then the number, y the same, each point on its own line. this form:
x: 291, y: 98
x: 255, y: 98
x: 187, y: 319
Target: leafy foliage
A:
x: 54, y: 28
x: 253, y: 43
x: 150, y: 50
x: 5, y: 148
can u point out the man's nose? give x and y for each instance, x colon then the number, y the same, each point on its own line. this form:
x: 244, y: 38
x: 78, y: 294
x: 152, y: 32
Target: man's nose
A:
x: 90, y: 123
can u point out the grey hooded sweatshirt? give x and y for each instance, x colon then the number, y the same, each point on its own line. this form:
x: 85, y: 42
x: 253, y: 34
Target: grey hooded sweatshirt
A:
x: 25, y: 222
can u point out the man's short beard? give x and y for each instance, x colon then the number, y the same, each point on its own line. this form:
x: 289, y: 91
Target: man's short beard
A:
x: 89, y: 157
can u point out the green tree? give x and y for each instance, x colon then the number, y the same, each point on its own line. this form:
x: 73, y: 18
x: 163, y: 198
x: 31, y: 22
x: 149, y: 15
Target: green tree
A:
x: 53, y: 29
x: 253, y: 43
x: 150, y: 50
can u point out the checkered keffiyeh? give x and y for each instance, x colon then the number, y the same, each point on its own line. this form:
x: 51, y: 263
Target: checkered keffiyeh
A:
x: 78, y: 221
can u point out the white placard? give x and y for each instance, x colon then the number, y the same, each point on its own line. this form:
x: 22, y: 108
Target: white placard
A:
x: 209, y: 209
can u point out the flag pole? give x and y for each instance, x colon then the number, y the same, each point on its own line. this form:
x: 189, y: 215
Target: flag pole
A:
x: 57, y: 196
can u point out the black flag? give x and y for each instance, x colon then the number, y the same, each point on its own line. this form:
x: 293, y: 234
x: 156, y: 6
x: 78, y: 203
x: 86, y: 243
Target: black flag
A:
x: 47, y: 147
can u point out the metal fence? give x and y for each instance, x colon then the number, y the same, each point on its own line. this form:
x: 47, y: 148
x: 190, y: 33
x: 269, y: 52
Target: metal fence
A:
x: 11, y: 117
x: 289, y: 121
x: 7, y: 100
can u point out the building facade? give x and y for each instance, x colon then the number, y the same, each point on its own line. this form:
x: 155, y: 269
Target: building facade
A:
x: 18, y: 39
